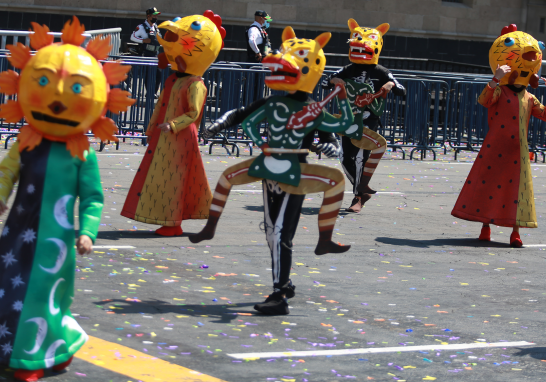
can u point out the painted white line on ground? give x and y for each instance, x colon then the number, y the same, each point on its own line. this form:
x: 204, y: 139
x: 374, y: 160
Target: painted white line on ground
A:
x: 379, y: 350
x: 471, y: 163
x: 534, y: 245
x: 125, y: 155
x: 346, y: 192
x: 113, y: 247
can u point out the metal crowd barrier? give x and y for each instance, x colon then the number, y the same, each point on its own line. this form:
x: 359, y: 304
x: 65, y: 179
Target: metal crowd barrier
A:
x: 439, y: 112
x: 114, y: 34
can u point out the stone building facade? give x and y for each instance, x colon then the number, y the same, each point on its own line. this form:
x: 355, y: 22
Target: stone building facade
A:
x: 451, y: 30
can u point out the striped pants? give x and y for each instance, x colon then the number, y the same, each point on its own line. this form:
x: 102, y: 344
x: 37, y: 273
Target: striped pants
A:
x: 360, y: 158
x: 314, y: 178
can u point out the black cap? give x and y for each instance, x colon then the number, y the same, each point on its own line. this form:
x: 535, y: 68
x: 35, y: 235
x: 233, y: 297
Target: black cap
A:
x: 261, y: 13
x: 152, y: 11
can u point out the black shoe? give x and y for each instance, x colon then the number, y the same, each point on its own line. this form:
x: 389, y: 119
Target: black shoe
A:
x: 277, y: 305
x: 289, y: 291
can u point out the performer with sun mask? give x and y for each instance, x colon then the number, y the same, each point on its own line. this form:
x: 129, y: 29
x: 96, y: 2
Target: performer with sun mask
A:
x: 62, y: 92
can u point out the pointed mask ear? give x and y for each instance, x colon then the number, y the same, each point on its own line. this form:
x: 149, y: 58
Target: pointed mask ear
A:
x: 323, y: 39
x: 352, y: 24
x: 288, y: 33
x: 383, y: 28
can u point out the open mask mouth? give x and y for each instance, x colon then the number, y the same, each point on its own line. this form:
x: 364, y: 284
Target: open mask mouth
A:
x: 47, y: 118
x: 360, y: 51
x: 281, y: 71
x: 168, y: 35
x: 530, y: 56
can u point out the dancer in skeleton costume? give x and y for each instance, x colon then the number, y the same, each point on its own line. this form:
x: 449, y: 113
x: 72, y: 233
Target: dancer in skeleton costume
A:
x: 363, y: 78
x: 286, y: 177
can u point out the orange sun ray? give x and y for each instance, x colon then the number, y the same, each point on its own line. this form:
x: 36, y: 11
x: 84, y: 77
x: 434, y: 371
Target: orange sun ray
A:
x: 40, y: 38
x: 20, y: 54
x: 28, y: 138
x: 105, y: 129
x: 118, y: 100
x: 9, y: 82
x: 99, y: 47
x: 72, y: 32
x: 115, y: 72
x: 11, y: 112
x: 77, y: 145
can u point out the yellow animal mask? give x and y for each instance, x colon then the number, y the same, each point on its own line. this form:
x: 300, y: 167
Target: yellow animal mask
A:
x: 521, y: 52
x: 191, y: 44
x: 63, y: 91
x: 299, y: 63
x: 365, y: 44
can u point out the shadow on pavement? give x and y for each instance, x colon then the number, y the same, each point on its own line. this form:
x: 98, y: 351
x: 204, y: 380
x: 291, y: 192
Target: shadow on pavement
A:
x: 537, y: 353
x: 222, y: 313
x: 117, y: 235
x: 304, y: 210
x: 453, y: 242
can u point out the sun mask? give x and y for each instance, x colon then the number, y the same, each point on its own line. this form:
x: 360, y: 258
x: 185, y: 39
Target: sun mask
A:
x: 521, y: 52
x: 191, y: 44
x: 299, y: 63
x: 365, y: 44
x: 63, y: 91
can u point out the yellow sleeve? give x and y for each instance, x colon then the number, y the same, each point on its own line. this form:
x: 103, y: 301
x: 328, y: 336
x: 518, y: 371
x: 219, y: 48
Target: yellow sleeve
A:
x: 489, y: 96
x: 9, y: 172
x: 197, y: 93
x: 155, y: 115
x: 538, y: 110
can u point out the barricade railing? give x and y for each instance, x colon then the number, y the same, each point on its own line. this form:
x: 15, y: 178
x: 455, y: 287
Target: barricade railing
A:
x: 439, y: 111
x: 15, y: 36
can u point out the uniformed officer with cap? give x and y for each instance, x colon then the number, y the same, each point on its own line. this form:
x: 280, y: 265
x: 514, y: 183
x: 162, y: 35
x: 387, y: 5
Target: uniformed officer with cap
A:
x: 257, y: 39
x: 145, y: 35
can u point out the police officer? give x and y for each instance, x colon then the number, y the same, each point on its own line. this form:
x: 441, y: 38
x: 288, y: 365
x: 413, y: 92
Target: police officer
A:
x: 145, y: 35
x: 257, y: 39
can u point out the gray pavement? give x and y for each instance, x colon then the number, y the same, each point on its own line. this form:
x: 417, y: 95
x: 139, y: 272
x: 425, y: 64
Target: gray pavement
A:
x: 414, y: 276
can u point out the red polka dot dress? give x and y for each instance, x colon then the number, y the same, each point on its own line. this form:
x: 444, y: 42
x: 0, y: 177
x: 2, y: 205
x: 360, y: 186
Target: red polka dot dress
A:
x: 499, y: 188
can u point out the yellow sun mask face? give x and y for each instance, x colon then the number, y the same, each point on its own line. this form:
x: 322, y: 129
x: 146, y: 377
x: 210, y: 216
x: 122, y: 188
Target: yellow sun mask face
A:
x: 191, y: 44
x: 521, y: 52
x: 365, y: 44
x: 299, y: 63
x: 65, y: 90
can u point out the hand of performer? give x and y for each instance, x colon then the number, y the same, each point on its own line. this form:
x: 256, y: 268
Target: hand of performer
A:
x: 3, y: 207
x: 328, y: 149
x: 343, y: 93
x: 500, y: 72
x: 336, y: 81
x: 84, y: 245
x: 263, y: 147
x: 165, y: 127
x: 388, y: 86
x: 211, y: 131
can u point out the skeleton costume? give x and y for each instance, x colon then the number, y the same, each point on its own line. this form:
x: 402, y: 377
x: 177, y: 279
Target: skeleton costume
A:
x: 281, y: 209
x: 354, y: 159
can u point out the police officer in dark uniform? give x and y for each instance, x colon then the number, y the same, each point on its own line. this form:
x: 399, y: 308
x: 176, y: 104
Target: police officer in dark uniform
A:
x: 145, y: 35
x: 257, y: 39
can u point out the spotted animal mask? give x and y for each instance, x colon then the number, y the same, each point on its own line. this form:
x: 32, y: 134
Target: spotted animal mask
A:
x: 365, y: 44
x: 191, y: 44
x: 298, y: 64
x: 521, y: 52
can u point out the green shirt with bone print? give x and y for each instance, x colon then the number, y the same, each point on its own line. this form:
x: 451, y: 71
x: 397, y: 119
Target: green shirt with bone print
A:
x: 285, y: 168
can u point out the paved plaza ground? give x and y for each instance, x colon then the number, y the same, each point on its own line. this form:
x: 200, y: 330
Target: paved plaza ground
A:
x: 417, y: 298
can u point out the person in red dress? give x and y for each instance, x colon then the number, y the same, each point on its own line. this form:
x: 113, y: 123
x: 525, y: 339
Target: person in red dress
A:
x: 499, y: 188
